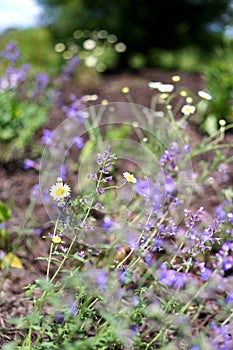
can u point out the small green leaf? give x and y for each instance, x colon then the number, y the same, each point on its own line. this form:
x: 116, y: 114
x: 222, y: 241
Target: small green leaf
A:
x: 5, y: 212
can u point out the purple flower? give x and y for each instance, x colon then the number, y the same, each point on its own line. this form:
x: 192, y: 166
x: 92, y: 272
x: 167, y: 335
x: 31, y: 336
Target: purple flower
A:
x: 78, y: 142
x: 11, y: 53
x: 37, y: 231
x: 42, y: 81
x: 102, y: 279
x: 73, y: 308
x: 107, y: 222
x: 70, y: 68
x: 228, y: 263
x: 62, y: 172
x: 29, y: 163
x: 230, y: 217
x: 47, y: 137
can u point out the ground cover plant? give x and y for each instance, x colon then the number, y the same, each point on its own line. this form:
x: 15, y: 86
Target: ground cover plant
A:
x: 132, y: 259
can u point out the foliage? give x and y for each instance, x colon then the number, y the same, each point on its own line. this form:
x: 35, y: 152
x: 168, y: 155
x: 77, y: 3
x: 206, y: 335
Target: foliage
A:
x: 168, y: 25
x: 97, y: 50
x: 25, y: 102
x: 218, y: 75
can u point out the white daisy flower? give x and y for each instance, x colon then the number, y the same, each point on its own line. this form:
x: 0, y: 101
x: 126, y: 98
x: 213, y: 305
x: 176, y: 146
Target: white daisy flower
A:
x: 188, y: 109
x: 129, y: 177
x: 205, y: 95
x: 59, y: 191
x: 165, y: 88
x: 154, y: 84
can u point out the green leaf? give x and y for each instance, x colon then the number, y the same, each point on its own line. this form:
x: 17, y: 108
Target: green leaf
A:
x: 5, y: 212
x: 210, y: 124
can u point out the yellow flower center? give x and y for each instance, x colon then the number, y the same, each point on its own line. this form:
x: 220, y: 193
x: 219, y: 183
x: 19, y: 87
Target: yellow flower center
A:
x: 61, y: 191
x: 56, y: 240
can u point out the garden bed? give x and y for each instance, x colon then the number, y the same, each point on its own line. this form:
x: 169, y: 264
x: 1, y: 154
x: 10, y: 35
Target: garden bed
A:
x: 17, y: 183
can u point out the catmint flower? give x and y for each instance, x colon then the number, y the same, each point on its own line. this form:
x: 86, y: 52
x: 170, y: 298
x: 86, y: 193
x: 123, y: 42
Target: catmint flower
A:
x: 42, y: 81
x: 107, y: 222
x: 29, y: 164
x: 11, y: 53
x: 78, y: 142
x: 62, y: 171
x: 230, y: 217
x: 47, y: 137
x: 98, y: 206
x: 70, y: 68
x: 102, y: 279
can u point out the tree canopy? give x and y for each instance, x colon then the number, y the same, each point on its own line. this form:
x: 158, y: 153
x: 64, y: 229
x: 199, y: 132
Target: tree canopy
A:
x: 143, y: 24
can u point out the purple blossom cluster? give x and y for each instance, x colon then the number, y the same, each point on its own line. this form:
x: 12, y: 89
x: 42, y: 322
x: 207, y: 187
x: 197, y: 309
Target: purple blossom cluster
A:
x: 70, y: 68
x: 173, y: 156
x: 104, y: 161
x: 76, y: 109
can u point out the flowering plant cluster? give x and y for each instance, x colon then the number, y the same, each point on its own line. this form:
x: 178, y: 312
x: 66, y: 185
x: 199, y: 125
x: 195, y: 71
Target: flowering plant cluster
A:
x: 25, y: 103
x: 135, y: 260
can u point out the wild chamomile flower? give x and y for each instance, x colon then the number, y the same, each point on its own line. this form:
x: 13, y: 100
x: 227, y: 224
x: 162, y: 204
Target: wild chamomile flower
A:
x: 125, y: 90
x: 56, y: 240
x: 60, y: 190
x: 205, y: 95
x: 129, y: 177
x: 176, y: 78
x: 188, y: 109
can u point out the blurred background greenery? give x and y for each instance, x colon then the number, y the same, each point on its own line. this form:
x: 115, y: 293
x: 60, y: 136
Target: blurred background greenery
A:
x: 107, y: 36
x: 171, y: 34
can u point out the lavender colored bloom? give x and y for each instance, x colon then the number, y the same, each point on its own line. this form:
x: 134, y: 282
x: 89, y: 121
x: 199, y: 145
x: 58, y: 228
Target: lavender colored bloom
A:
x: 228, y: 263
x: 144, y: 187
x: 11, y: 53
x: 107, y: 222
x: 229, y: 298
x: 230, y: 217
x: 47, y: 137
x: 73, y: 308
x: 70, y: 68
x: 37, y: 231
x: 169, y: 184
x: 221, y: 337
x: 102, y: 279
x: 62, y: 172
x: 42, y: 81
x: 135, y: 330
x: 78, y: 142
x: 172, y: 278
x: 92, y: 176
x: 206, y: 273
x: 29, y: 163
